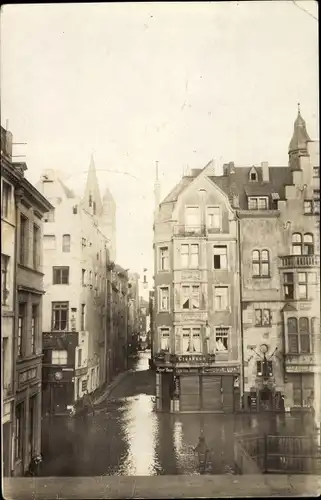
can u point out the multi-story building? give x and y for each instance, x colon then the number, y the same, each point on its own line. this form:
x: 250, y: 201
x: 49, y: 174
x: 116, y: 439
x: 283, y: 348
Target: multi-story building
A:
x: 22, y: 280
x: 133, y: 312
x: 197, y: 298
x: 118, y: 344
x: 75, y: 316
x: 278, y: 213
x: 274, y: 249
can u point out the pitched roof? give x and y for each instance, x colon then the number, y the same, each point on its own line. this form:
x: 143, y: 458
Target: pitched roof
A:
x: 238, y: 183
x: 300, y: 135
x: 176, y: 191
x: 68, y: 192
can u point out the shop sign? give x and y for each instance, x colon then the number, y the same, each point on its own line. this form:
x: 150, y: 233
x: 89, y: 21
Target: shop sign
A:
x: 158, y: 369
x: 27, y: 375
x: 190, y: 275
x: 221, y: 369
x: 300, y: 368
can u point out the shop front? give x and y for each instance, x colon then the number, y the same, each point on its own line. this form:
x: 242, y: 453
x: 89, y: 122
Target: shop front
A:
x: 212, y: 390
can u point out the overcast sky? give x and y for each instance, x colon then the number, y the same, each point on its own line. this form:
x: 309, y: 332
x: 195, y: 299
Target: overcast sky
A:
x: 180, y: 83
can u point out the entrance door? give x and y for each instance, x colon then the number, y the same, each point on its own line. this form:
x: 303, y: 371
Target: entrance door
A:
x: 167, y: 380
x: 266, y: 399
x: 211, y: 393
x: 228, y: 393
x: 189, y: 393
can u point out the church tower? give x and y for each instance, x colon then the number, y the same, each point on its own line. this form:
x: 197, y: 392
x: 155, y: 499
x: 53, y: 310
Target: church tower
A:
x: 108, y: 221
x: 91, y: 200
x: 299, y: 143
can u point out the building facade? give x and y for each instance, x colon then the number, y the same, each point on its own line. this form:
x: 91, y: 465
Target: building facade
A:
x: 197, y: 302
x: 23, y: 208
x: 272, y: 240
x: 75, y: 316
x: 133, y: 312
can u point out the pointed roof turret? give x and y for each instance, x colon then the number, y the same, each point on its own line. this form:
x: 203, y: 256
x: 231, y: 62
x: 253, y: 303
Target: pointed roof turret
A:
x: 300, y: 136
x: 92, y: 198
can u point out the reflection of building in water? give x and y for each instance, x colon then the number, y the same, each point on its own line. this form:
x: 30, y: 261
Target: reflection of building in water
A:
x: 164, y: 444
x: 140, y: 434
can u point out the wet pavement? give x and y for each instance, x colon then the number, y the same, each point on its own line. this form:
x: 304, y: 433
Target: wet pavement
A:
x: 126, y: 437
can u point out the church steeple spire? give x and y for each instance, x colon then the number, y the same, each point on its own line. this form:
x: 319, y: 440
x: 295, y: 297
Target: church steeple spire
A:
x: 92, y: 198
x: 299, y: 143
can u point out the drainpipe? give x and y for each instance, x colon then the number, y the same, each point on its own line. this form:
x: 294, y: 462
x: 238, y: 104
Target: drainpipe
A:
x: 241, y: 310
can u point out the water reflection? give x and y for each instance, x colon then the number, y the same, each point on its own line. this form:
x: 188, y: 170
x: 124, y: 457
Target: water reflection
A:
x: 127, y: 436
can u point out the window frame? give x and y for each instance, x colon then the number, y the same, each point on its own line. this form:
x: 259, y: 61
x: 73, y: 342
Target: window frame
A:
x: 161, y: 259
x: 54, y: 308
x: 22, y: 313
x: 59, y: 271
x: 227, y: 297
x: 299, y: 334
x: 287, y: 283
x: 34, y: 327
x: 225, y: 336
x: 253, y: 202
x: 260, y: 262
x: 46, y: 238
x: 36, y: 251
x: 5, y: 259
x: 215, y: 247
x: 261, y: 323
x: 23, y: 240
x: 82, y: 317
x: 198, y: 223
x: 189, y: 254
x: 164, y: 332
x: 218, y: 215
x: 6, y: 199
x: 302, y: 282
x: 191, y: 296
x: 191, y: 335
x: 66, y: 246
x: 59, y: 351
x: 160, y: 291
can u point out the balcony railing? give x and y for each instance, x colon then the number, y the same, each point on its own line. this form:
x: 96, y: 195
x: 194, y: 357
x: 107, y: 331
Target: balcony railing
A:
x: 194, y: 359
x: 186, y: 230
x: 293, y: 261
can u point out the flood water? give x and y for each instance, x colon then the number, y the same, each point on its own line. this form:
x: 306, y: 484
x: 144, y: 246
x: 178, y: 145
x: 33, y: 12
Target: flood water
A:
x: 127, y: 437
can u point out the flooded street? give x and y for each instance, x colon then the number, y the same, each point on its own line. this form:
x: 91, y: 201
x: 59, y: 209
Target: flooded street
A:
x: 127, y: 437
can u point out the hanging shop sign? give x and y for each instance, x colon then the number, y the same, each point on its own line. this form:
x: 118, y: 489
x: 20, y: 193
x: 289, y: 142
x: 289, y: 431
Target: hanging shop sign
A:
x: 159, y: 369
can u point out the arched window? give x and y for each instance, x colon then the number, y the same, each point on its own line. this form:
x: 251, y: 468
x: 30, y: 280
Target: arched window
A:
x: 260, y: 263
x: 304, y: 333
x: 308, y: 245
x: 297, y: 244
x: 293, y: 338
x: 292, y: 325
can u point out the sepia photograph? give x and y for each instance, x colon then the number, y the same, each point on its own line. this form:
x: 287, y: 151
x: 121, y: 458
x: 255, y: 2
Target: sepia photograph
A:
x: 160, y: 250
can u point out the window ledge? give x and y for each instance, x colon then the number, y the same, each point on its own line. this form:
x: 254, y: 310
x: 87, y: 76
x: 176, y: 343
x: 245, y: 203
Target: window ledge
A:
x: 262, y: 277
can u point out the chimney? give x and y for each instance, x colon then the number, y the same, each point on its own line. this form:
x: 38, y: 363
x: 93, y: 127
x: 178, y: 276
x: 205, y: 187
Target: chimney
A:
x: 232, y: 167
x: 265, y: 171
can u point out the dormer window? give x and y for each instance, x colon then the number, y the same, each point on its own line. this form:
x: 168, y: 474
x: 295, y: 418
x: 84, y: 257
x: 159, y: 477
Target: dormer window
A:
x: 258, y: 203
x: 253, y: 175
